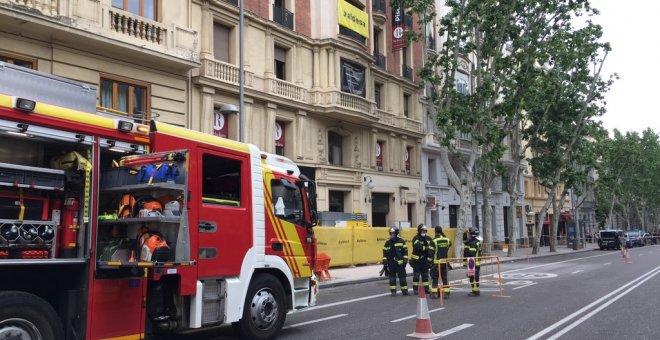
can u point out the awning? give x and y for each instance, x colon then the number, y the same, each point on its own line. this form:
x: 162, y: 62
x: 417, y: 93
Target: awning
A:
x: 565, y: 216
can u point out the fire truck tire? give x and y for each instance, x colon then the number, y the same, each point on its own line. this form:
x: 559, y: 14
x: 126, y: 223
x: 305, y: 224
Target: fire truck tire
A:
x: 264, y: 311
x: 26, y: 316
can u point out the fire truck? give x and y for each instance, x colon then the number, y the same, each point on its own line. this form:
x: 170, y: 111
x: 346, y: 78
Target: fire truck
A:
x: 113, y: 228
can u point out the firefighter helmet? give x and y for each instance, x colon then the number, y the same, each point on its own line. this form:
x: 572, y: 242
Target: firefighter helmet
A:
x: 394, y: 230
x: 474, y: 231
x: 438, y: 229
x: 421, y: 228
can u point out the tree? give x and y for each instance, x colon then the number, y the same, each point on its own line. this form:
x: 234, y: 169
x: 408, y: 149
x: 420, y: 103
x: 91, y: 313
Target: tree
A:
x: 496, y: 46
x: 562, y: 117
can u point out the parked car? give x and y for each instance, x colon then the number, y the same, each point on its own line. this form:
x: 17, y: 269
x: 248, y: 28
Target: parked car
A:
x: 634, y: 238
x: 609, y: 239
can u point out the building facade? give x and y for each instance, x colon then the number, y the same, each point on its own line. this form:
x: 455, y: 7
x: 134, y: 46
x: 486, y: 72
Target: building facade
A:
x: 324, y: 83
x: 339, y: 101
x: 138, y: 54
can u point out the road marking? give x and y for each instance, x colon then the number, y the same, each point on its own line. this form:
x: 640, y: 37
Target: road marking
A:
x: 315, y: 321
x: 343, y: 302
x: 550, y: 264
x: 527, y: 285
x: 607, y: 263
x: 587, y: 307
x: 640, y: 255
x: 577, y: 271
x: 595, y: 311
x: 413, y: 316
x: 455, y: 329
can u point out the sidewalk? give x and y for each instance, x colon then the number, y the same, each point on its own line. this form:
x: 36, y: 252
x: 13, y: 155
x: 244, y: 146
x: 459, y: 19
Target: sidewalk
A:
x: 366, y: 273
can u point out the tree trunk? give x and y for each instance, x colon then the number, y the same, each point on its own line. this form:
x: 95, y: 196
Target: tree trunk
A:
x: 553, y: 225
x: 539, y: 223
x: 486, y: 213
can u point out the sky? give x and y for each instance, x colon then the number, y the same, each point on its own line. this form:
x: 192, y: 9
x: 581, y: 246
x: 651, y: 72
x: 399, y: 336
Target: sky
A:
x: 633, y: 30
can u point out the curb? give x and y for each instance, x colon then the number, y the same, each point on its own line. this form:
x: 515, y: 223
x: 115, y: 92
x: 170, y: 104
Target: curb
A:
x: 331, y: 284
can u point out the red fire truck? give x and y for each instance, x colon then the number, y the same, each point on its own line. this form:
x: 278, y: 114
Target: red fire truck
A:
x: 115, y: 229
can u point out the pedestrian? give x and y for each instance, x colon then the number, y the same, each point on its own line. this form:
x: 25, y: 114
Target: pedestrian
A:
x: 438, y: 258
x: 420, y: 259
x: 395, y: 257
x: 472, y: 249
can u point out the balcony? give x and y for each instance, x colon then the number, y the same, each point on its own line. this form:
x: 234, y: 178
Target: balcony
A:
x: 233, y: 2
x: 430, y: 43
x: 411, y: 125
x: 99, y: 28
x: 378, y: 11
x: 288, y: 90
x: 380, y: 60
x: 407, y: 72
x: 345, y: 106
x: 225, y: 73
x: 352, y: 34
x: 283, y: 17
x: 385, y: 117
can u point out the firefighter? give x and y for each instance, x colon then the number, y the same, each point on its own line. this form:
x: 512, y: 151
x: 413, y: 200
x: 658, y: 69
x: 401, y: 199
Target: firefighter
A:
x: 472, y: 248
x: 395, y: 257
x: 438, y: 255
x: 419, y: 262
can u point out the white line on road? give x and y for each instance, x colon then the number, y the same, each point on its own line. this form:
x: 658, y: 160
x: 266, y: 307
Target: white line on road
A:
x: 595, y: 311
x: 641, y: 255
x: 343, y: 302
x: 550, y: 264
x: 577, y: 271
x: 607, y: 263
x: 527, y: 285
x: 455, y: 329
x: 410, y: 317
x: 587, y: 307
x: 315, y: 321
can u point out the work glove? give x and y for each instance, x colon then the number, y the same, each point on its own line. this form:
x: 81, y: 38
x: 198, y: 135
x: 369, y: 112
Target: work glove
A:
x: 384, y: 271
x: 400, y: 262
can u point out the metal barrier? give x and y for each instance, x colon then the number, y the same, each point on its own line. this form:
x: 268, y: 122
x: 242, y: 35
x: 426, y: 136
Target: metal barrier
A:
x: 457, y: 274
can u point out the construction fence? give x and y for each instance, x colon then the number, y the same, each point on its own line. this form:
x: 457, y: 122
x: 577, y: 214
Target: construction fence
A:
x: 458, y: 275
x: 359, y: 245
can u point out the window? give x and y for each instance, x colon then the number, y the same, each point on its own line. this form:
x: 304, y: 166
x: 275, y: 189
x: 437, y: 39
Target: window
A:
x: 433, y: 171
x: 287, y: 201
x: 462, y: 83
x: 221, y: 42
x: 125, y: 96
x: 143, y: 8
x: 335, y: 148
x: 409, y: 153
x: 406, y: 105
x: 377, y: 91
x: 282, y: 15
x: 379, y: 57
x: 280, y: 63
x: 18, y: 61
x: 221, y: 182
x: 280, y: 137
x: 380, y: 150
x: 353, y: 78
x: 336, y: 200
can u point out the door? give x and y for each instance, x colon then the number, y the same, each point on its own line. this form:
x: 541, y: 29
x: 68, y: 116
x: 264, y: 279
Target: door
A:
x: 225, y: 212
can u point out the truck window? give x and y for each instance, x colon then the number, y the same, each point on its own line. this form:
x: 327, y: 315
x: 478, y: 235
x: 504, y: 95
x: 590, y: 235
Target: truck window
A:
x: 221, y: 182
x: 287, y: 202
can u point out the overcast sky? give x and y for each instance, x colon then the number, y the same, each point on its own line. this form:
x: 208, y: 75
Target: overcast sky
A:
x: 632, y: 29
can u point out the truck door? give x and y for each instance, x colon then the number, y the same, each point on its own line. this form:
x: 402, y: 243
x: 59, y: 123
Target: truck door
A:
x: 225, y: 219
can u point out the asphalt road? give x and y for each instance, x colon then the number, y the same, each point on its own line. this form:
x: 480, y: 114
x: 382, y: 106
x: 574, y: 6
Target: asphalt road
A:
x: 587, y: 295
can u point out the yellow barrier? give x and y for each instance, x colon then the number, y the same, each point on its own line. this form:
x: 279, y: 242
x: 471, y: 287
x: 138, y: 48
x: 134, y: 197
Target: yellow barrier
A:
x: 350, y: 246
x: 457, y: 276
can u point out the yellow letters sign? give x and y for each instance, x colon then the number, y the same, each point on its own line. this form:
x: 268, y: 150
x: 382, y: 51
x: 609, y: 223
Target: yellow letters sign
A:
x: 353, y: 18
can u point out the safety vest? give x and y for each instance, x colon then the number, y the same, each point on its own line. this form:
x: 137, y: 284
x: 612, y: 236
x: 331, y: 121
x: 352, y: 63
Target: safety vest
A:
x: 473, y: 249
x: 421, y: 246
x: 441, y: 245
x: 395, y: 250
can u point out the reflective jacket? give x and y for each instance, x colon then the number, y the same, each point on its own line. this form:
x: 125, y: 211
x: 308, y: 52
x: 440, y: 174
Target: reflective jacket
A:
x: 421, y: 247
x: 472, y: 248
x: 395, y: 251
x: 439, y: 249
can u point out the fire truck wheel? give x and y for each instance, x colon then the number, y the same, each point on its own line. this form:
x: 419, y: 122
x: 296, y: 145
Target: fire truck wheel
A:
x: 264, y: 311
x: 25, y: 316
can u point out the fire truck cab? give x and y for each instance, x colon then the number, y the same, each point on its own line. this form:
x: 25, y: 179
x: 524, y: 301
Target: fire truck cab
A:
x: 111, y: 228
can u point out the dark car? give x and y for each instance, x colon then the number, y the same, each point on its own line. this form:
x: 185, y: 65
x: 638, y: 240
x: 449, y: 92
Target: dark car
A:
x: 609, y: 239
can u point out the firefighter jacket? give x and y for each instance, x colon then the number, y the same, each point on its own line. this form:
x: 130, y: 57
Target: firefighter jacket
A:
x: 421, y: 247
x: 395, y: 252
x: 472, y: 248
x: 439, y: 249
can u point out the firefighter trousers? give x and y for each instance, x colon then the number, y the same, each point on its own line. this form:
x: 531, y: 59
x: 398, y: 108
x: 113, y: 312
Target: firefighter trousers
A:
x: 474, y: 280
x: 435, y: 275
x: 399, y: 271
x: 420, y: 269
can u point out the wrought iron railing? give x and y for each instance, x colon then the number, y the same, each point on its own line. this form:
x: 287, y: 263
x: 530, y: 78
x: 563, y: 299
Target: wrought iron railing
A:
x: 283, y: 16
x: 379, y: 60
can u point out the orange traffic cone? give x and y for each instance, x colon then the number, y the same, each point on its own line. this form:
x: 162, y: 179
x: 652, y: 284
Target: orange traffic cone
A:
x: 423, y: 328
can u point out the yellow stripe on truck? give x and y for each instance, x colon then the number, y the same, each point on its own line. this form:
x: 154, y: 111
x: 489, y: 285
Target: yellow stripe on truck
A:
x: 177, y: 131
x: 64, y: 113
x: 127, y: 337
